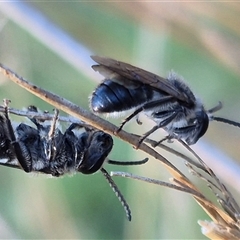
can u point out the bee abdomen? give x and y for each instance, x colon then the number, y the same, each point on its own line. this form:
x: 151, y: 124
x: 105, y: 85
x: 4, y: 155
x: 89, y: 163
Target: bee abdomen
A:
x: 111, y: 96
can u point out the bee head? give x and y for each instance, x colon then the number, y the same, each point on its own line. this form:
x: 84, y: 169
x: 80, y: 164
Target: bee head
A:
x: 201, y: 123
x: 99, y: 146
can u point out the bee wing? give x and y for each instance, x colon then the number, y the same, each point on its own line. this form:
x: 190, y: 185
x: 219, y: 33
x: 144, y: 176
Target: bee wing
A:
x: 109, y: 68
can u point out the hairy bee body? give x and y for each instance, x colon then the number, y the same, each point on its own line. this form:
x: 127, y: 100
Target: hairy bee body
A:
x: 112, y: 97
x: 61, y: 153
x: 168, y: 102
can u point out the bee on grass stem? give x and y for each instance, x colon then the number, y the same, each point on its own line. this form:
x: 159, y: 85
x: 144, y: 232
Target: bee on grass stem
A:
x: 169, y: 102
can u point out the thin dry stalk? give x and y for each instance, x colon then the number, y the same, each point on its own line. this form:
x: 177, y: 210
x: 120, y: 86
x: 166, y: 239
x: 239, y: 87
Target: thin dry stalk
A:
x: 225, y: 224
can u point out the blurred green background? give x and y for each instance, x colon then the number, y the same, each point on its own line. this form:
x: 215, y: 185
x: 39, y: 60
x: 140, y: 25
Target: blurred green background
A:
x: 200, y: 41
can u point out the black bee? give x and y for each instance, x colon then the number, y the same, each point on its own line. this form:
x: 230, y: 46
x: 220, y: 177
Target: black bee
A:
x: 45, y: 149
x: 169, y: 102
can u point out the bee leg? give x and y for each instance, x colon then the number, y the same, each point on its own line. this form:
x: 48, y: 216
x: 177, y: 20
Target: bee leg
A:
x: 136, y: 112
x: 32, y: 108
x: 128, y: 163
x: 6, y: 151
x: 141, y: 139
x: 146, y: 106
x: 160, y: 125
x: 167, y: 138
x: 158, y: 103
x: 139, y: 122
x: 52, y: 149
x: 79, y: 126
x: 26, y: 164
x: 180, y: 133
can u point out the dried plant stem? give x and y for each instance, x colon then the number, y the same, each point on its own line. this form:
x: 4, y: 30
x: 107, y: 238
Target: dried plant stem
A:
x: 40, y: 116
x: 157, y: 182
x: 217, y: 231
x: 173, y: 151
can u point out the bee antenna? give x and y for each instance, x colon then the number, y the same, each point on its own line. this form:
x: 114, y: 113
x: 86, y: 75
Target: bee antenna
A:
x: 128, y: 163
x: 220, y: 119
x: 118, y: 193
x: 216, y: 108
x: 224, y: 120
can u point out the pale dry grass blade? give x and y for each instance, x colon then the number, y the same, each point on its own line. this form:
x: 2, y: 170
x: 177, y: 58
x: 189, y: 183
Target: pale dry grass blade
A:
x: 217, y: 231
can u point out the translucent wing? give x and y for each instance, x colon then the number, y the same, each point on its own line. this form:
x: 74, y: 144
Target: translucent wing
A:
x: 109, y: 68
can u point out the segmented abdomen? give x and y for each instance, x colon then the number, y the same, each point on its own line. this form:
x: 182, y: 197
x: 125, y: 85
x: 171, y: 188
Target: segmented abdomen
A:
x: 111, y: 96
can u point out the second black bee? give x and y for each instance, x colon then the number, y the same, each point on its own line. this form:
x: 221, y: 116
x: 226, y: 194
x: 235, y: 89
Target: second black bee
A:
x: 45, y: 149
